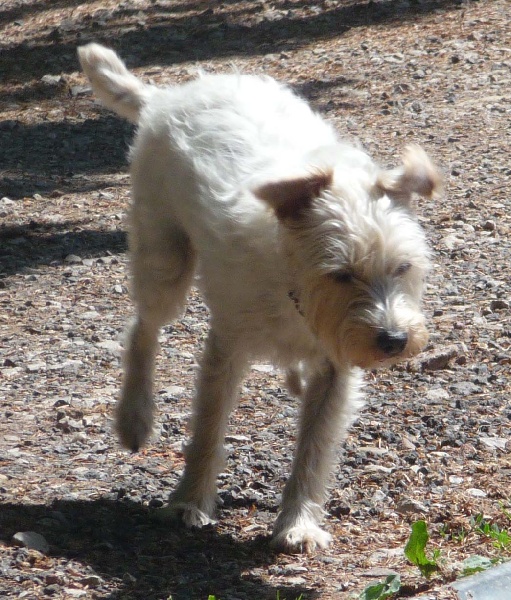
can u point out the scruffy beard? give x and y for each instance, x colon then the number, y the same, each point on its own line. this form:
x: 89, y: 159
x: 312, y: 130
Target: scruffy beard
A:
x: 347, y: 320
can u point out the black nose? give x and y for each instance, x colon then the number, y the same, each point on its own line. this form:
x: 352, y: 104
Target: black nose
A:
x: 392, y: 342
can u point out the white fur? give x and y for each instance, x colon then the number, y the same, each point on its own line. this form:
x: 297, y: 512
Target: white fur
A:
x: 210, y: 161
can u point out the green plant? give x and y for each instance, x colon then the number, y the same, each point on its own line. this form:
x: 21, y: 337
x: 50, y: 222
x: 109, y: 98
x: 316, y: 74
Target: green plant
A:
x: 212, y: 597
x: 501, y: 537
x: 475, y: 564
x: 456, y: 535
x: 415, y: 553
x: 415, y: 550
x: 383, y: 590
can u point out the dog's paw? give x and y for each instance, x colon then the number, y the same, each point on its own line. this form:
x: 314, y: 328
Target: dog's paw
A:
x: 184, y: 512
x: 305, y: 538
x: 133, y: 426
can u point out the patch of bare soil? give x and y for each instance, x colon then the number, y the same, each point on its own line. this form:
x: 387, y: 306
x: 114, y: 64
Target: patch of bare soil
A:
x: 433, y: 440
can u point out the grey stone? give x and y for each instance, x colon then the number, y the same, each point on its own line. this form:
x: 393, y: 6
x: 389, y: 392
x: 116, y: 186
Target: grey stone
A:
x: 497, y: 442
x: 411, y: 507
x: 494, y: 584
x: 31, y: 540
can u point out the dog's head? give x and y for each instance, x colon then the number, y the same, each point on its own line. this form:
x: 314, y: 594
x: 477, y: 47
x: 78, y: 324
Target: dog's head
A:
x: 357, y: 255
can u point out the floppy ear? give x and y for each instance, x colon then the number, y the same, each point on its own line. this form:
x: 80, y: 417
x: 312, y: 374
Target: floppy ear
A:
x: 290, y: 197
x: 416, y: 175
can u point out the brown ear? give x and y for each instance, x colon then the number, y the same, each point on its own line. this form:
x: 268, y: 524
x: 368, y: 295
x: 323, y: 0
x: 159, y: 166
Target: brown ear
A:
x: 290, y: 197
x: 416, y: 175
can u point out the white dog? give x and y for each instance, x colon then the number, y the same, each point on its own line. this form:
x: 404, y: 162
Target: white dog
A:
x: 308, y: 254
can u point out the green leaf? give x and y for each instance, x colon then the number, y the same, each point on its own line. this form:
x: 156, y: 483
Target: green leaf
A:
x: 414, y: 549
x: 383, y: 590
x: 475, y: 564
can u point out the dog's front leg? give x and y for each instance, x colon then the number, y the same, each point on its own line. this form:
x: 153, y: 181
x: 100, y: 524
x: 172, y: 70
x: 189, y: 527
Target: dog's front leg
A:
x: 329, y: 405
x: 134, y: 412
x: 194, y: 500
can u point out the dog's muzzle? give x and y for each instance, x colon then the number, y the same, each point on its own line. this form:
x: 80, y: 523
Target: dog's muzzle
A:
x: 391, y: 343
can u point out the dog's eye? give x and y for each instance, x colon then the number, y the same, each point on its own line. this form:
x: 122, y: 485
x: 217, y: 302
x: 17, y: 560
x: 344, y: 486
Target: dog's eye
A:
x: 342, y: 276
x: 402, y: 269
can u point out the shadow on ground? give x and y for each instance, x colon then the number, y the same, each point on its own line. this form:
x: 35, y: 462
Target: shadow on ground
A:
x: 144, y: 559
x: 46, y: 156
x: 173, y: 35
x: 33, y: 245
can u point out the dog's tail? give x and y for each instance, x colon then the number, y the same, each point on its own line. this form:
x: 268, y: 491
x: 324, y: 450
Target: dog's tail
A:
x: 111, y: 81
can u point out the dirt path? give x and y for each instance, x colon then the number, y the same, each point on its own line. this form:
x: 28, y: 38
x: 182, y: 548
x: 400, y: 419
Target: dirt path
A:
x: 433, y: 440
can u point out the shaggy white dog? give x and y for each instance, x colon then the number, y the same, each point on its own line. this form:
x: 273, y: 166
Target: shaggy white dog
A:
x: 308, y: 254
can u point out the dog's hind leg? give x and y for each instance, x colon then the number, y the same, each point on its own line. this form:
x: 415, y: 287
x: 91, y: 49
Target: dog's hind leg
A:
x: 222, y: 368
x: 162, y: 264
x: 329, y: 405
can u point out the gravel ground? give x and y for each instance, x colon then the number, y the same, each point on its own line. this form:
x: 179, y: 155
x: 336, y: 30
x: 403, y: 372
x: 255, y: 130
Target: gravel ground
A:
x: 433, y: 440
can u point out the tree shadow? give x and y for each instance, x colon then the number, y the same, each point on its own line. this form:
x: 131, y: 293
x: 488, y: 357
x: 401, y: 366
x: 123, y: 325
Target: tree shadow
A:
x: 35, y: 244
x: 46, y: 151
x: 145, y: 559
x: 48, y: 155
x: 326, y: 94
x: 174, y: 37
x: 19, y: 12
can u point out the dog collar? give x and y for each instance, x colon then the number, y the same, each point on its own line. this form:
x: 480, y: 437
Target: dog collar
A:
x: 296, y: 301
